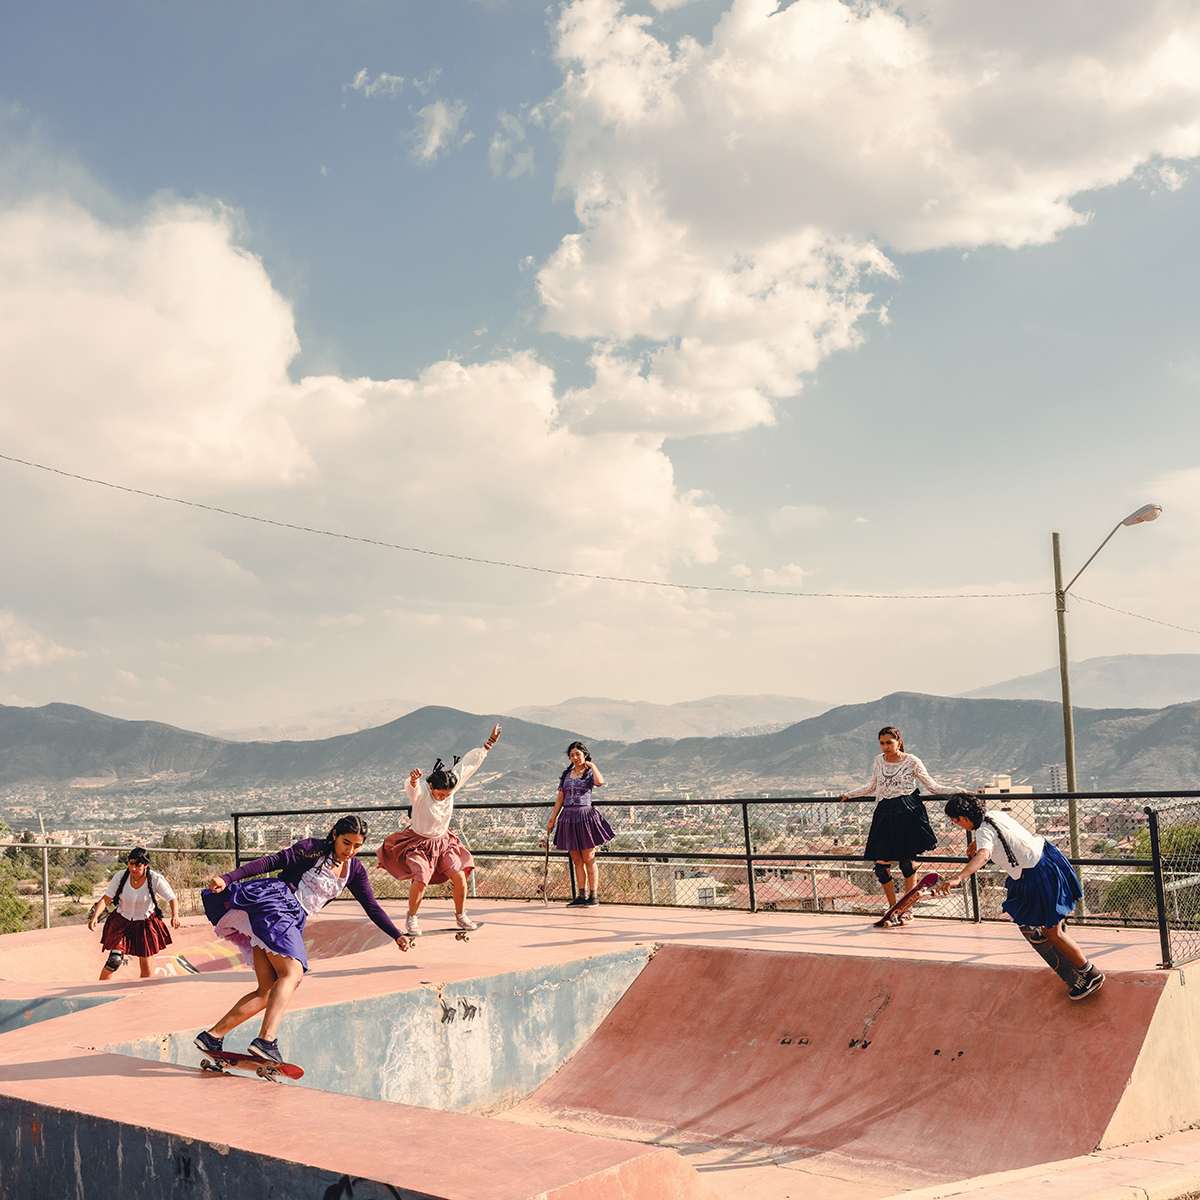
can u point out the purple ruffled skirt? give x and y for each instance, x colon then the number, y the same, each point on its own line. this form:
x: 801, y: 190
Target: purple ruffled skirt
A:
x: 580, y: 827
x: 259, y: 912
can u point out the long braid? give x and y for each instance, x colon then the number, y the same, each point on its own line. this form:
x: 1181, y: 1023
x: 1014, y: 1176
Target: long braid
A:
x: 1012, y: 858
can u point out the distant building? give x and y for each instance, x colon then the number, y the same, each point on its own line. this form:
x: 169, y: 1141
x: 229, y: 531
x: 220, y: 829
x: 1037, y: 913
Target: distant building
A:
x: 1002, y: 785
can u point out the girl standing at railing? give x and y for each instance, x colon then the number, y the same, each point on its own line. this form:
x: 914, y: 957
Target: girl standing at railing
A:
x: 1042, y: 887
x: 265, y: 919
x: 900, y: 828
x: 135, y: 925
x: 427, y: 851
x: 580, y: 827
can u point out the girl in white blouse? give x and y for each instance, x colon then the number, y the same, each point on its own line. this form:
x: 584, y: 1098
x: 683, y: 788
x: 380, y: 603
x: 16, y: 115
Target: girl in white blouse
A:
x: 900, y: 829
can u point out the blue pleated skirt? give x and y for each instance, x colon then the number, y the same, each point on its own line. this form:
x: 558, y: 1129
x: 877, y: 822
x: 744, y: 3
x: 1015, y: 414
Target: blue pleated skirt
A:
x: 273, y: 918
x: 1045, y: 893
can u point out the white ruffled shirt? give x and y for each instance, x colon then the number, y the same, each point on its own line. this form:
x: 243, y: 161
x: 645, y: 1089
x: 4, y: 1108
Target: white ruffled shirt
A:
x: 431, y: 818
x: 900, y: 779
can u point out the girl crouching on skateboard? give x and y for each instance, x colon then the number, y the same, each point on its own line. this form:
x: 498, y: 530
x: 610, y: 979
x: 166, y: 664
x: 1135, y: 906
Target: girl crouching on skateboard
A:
x: 580, y: 827
x: 1042, y: 888
x: 135, y: 926
x: 426, y: 851
x: 265, y: 919
x: 900, y: 828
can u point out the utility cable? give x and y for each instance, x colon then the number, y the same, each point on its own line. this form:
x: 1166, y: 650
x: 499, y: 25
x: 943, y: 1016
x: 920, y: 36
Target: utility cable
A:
x: 1124, y: 613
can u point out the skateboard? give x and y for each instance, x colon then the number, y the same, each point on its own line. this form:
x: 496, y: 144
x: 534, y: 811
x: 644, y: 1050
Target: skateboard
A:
x: 1037, y: 939
x: 221, y: 1060
x: 545, y: 888
x: 460, y: 935
x: 892, y: 917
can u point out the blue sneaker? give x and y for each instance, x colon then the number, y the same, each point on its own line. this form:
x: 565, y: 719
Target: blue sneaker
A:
x: 206, y: 1041
x: 261, y: 1048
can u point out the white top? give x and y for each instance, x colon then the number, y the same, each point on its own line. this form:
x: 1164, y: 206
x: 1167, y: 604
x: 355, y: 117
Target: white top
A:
x: 900, y: 779
x: 431, y: 818
x: 134, y: 904
x: 1027, y: 847
x: 320, y: 884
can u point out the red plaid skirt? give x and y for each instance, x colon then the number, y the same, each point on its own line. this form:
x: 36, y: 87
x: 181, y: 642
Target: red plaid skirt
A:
x: 141, y: 939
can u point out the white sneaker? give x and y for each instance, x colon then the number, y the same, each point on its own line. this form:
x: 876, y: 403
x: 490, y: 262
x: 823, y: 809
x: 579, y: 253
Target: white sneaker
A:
x: 411, y: 927
x: 464, y: 922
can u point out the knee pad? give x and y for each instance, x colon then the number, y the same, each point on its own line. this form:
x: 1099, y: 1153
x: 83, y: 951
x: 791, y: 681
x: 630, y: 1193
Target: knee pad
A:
x: 115, y: 959
x: 907, y: 869
x: 882, y: 873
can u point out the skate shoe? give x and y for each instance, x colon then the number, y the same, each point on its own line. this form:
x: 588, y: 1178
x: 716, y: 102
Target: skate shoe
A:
x: 269, y: 1050
x: 464, y: 922
x: 411, y: 928
x: 1085, y: 985
x: 208, y: 1043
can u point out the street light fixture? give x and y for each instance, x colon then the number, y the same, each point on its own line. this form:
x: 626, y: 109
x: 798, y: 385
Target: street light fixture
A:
x: 1148, y: 512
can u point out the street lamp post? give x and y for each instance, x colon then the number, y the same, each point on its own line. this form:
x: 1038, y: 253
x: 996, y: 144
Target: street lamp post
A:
x: 1148, y: 512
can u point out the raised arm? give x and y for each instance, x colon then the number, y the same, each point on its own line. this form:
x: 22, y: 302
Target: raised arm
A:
x: 360, y: 888
x: 473, y: 759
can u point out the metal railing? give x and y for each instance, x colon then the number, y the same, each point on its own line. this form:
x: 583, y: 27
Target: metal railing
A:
x: 18, y: 910
x: 800, y: 853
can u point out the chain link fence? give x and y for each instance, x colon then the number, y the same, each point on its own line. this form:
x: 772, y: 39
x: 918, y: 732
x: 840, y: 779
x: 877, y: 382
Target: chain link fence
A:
x: 1173, y: 841
x: 798, y: 855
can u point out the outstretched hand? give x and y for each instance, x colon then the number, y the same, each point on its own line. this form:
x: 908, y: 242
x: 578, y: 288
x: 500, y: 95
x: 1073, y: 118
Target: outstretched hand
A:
x: 402, y: 942
x: 216, y: 884
x: 414, y: 775
x: 495, y: 735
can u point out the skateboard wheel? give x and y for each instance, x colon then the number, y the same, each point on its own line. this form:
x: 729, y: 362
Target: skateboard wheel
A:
x: 461, y: 937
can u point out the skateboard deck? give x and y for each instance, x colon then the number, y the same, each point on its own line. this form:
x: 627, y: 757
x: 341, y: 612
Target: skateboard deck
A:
x: 221, y: 1060
x: 924, y: 887
x: 460, y: 935
x: 545, y: 888
x: 1059, y: 965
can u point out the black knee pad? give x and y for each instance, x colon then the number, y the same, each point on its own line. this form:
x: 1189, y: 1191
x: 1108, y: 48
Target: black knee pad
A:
x: 907, y: 869
x: 115, y: 960
x: 882, y: 873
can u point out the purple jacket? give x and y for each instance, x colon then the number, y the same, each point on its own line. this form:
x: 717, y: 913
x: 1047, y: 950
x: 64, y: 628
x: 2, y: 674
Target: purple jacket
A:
x: 297, y: 859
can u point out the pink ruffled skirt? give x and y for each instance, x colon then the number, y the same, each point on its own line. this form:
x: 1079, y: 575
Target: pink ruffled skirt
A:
x: 409, y: 855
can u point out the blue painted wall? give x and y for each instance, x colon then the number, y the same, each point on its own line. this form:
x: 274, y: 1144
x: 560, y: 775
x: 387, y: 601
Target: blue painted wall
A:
x: 16, y: 1014
x: 477, y: 1046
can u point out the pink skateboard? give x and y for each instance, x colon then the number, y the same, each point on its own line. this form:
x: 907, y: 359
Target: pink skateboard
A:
x: 893, y: 916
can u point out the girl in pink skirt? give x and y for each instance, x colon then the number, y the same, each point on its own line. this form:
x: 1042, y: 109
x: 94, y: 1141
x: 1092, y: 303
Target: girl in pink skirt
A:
x: 135, y: 926
x: 580, y: 827
x: 426, y: 851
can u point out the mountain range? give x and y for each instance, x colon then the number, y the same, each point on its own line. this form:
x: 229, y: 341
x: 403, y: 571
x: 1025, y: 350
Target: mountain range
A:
x: 965, y: 739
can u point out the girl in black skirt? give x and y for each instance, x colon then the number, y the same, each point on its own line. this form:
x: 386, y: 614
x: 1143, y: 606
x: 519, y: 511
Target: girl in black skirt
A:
x: 900, y: 828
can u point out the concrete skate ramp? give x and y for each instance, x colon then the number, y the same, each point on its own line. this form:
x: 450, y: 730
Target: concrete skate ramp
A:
x: 950, y: 1068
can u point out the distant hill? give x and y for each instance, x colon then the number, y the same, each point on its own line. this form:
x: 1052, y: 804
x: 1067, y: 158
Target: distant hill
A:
x: 1121, y: 681
x: 964, y: 739
x: 323, y: 723
x: 636, y: 720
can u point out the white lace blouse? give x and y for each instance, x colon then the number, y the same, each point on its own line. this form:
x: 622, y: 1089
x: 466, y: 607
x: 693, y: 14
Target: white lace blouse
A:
x: 899, y: 779
x: 319, y: 885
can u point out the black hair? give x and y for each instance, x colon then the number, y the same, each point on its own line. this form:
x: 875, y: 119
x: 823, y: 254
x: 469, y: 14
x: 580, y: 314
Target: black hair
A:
x: 442, y: 778
x: 894, y: 732
x: 965, y: 804
x: 353, y: 824
x: 587, y: 758
x: 138, y: 855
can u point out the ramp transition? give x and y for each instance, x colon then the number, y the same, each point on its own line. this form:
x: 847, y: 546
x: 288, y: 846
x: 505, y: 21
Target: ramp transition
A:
x: 948, y: 1068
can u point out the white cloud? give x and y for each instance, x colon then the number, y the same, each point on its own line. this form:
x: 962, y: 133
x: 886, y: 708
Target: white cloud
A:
x: 436, y: 130
x: 22, y: 647
x: 735, y: 198
x: 510, y: 140
x: 382, y: 85
x: 796, y: 516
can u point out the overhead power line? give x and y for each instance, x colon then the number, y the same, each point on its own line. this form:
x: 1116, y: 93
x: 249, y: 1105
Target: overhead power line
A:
x: 1125, y: 613
x: 493, y: 562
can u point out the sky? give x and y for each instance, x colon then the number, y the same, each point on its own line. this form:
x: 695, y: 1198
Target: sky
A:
x: 816, y: 298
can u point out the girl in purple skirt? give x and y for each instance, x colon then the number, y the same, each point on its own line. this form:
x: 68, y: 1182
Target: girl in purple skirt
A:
x: 265, y: 919
x: 580, y: 827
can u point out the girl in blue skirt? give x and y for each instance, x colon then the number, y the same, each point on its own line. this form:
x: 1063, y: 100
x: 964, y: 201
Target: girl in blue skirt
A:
x: 1042, y: 887
x: 580, y: 827
x: 265, y: 919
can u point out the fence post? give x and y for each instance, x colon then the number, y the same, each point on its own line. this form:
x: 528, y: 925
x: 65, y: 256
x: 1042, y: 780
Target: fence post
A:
x: 816, y: 893
x: 46, y: 887
x: 1160, y: 893
x: 237, y: 842
x: 749, y: 854
x: 650, y: 869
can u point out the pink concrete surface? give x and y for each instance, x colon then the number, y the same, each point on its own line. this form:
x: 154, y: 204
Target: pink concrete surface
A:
x: 61, y: 1062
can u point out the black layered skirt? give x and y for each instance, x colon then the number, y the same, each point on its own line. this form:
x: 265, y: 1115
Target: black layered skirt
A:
x: 900, y: 829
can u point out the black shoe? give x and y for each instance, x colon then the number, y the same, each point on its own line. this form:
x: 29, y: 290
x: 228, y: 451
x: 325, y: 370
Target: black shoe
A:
x: 206, y: 1042
x: 1085, y: 985
x: 591, y: 901
x: 261, y: 1048
x: 579, y: 901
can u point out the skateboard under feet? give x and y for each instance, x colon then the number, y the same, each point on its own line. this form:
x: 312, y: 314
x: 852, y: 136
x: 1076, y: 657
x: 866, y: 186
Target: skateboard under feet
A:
x: 221, y: 1061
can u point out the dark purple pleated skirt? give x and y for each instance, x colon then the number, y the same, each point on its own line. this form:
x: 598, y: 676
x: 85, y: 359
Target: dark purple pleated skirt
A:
x: 580, y: 827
